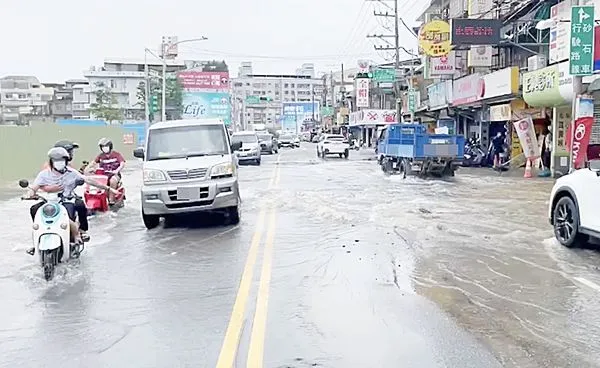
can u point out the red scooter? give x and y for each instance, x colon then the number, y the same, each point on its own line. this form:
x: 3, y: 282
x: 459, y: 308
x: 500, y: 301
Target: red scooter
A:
x: 96, y: 200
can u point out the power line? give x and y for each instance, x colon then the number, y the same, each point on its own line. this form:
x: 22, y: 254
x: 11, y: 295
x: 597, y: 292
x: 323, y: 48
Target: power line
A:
x: 274, y: 57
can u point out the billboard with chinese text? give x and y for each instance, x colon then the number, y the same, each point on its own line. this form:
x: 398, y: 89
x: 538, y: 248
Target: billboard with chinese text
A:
x: 295, y: 114
x: 205, y: 94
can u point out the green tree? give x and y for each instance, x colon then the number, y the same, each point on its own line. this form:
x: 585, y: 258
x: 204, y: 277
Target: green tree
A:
x: 105, y: 106
x: 174, y: 94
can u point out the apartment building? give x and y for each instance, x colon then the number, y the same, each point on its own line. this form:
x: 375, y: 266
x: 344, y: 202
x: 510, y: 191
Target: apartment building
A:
x: 122, y: 77
x: 258, y: 98
x: 22, y: 97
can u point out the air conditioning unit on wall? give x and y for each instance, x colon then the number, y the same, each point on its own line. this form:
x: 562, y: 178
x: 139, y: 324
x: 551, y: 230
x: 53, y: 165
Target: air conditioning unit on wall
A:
x: 537, y: 62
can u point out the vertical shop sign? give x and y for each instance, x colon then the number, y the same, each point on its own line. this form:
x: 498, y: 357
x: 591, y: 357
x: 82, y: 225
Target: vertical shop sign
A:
x: 526, y: 133
x: 581, y: 140
x: 581, y: 60
x: 362, y: 93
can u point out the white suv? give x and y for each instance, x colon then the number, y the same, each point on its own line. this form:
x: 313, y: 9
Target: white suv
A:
x: 332, y: 144
x: 574, y: 204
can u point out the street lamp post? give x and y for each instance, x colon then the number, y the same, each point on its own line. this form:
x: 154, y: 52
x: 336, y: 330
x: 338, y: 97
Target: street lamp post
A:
x: 164, y: 70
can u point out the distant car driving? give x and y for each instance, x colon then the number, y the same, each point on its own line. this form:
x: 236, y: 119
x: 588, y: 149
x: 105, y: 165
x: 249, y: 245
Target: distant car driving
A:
x: 288, y: 140
x: 267, y: 143
x: 332, y: 144
x: 250, y: 148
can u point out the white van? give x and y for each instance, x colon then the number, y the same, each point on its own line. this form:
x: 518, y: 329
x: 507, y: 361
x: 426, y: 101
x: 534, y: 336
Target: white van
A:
x: 188, y: 166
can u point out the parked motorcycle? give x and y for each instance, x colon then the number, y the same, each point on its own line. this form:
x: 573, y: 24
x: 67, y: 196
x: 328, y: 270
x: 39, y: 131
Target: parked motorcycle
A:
x: 96, y: 200
x: 474, y: 155
x: 354, y: 144
x: 51, y: 232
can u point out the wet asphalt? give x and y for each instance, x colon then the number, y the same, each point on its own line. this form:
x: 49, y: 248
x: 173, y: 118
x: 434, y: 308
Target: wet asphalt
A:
x: 333, y: 265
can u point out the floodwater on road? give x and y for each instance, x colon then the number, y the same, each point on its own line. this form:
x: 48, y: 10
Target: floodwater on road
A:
x: 333, y: 265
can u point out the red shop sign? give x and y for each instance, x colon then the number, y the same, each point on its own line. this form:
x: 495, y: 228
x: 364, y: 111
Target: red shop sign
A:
x: 467, y: 89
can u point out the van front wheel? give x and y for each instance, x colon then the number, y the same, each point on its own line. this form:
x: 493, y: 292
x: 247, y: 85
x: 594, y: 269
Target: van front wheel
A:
x: 150, y: 221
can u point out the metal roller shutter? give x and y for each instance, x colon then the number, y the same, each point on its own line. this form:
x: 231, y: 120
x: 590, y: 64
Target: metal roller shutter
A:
x: 595, y: 137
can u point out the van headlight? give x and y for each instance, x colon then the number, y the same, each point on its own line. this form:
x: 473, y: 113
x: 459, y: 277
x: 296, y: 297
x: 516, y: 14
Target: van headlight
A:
x: 154, y: 176
x: 223, y: 169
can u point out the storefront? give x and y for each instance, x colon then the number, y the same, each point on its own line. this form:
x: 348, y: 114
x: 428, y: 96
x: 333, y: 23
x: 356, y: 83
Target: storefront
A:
x: 363, y: 124
x: 553, y: 87
x: 498, y: 89
x: 466, y: 93
x: 439, y: 97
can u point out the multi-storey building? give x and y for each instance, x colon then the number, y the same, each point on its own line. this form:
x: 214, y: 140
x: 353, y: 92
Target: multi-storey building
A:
x: 23, y: 97
x: 123, y: 77
x: 258, y: 98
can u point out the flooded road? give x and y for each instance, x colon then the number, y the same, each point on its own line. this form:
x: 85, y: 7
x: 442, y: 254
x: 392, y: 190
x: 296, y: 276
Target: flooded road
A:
x: 333, y: 265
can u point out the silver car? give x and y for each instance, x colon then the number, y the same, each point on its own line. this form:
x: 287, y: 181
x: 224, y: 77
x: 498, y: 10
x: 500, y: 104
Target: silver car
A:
x: 248, y: 149
x: 267, y: 143
x: 188, y: 167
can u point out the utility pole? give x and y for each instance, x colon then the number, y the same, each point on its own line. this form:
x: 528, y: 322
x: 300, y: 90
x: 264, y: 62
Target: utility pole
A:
x: 395, y: 47
x: 163, y: 56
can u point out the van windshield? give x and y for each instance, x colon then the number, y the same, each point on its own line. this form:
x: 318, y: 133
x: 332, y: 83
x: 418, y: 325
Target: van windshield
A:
x: 187, y: 141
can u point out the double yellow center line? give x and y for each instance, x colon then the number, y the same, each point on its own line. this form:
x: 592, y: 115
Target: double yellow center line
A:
x: 229, y: 349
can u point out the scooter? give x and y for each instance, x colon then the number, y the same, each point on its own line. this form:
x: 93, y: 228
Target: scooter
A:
x: 96, y: 200
x: 51, y: 232
x: 474, y: 154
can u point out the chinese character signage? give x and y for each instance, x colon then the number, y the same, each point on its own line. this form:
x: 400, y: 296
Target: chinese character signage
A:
x: 475, y: 31
x: 434, y: 38
x: 526, y: 133
x: 362, y: 92
x: 296, y: 114
x: 206, y: 95
x: 581, y: 55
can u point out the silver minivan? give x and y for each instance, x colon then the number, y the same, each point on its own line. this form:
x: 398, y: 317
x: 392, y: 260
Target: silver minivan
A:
x: 189, y: 166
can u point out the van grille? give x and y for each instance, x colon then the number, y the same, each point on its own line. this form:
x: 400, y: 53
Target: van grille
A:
x: 187, y: 174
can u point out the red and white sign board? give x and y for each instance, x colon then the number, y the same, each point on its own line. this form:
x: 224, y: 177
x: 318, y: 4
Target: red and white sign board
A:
x: 362, y: 92
x: 526, y: 132
x: 443, y: 65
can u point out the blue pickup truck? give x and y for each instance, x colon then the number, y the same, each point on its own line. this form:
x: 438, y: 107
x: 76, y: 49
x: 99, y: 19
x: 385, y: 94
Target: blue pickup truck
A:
x: 408, y: 149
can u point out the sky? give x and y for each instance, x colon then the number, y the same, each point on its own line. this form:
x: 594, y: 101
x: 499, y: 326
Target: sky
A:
x: 57, y: 40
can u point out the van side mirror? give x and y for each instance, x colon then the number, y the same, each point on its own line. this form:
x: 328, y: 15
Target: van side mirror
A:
x: 236, y: 146
x: 138, y: 153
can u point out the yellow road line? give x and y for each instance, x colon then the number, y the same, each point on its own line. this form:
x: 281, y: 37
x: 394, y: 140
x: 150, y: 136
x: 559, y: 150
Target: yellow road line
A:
x: 257, y: 339
x: 236, y: 321
x: 256, y: 350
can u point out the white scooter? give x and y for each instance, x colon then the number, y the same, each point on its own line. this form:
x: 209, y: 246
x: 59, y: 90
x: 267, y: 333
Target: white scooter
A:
x: 52, y: 233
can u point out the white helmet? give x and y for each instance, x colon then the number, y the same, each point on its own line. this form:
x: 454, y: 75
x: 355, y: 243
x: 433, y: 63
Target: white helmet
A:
x: 58, y: 153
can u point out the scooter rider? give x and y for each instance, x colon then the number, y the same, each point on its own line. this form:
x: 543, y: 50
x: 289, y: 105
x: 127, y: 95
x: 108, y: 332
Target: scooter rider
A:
x: 112, y: 162
x: 80, y: 207
x: 59, y: 179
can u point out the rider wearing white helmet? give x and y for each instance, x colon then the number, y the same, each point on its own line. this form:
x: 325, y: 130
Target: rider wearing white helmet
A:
x: 60, y: 178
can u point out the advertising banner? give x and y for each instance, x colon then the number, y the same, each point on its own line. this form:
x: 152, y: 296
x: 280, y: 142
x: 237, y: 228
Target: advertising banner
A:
x: 434, y: 38
x: 467, y: 89
x: 443, y: 65
x: 560, y: 32
x: 205, y: 95
x: 581, y: 140
x: 296, y: 113
x: 207, y: 105
x: 471, y: 31
x: 194, y: 80
x: 550, y: 86
x: 362, y: 92
x: 526, y: 133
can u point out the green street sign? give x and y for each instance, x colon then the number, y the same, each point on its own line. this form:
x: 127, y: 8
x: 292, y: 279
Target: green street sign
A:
x: 327, y: 111
x: 384, y: 75
x: 252, y: 99
x: 581, y: 61
x: 412, y: 100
